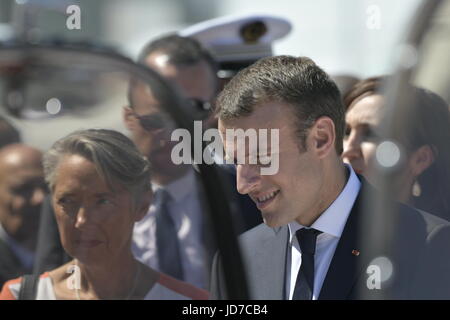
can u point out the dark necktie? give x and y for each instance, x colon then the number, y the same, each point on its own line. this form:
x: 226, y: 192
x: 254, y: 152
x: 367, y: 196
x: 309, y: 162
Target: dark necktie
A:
x: 167, y: 239
x: 304, y: 285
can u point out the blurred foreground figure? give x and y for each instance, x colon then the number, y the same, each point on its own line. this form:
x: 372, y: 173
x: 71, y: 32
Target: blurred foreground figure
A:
x: 22, y: 190
x: 423, y: 179
x: 315, y: 242
x: 100, y: 187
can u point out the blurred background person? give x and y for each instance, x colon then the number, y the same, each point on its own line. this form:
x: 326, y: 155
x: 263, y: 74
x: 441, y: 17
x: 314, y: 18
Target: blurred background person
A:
x: 8, y: 133
x: 100, y: 187
x: 423, y: 180
x: 190, y: 67
x: 193, y: 71
x: 178, y: 217
x: 22, y: 190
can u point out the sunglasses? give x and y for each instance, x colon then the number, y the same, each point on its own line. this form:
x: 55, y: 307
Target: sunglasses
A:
x: 157, y: 121
x: 152, y: 122
x: 199, y: 104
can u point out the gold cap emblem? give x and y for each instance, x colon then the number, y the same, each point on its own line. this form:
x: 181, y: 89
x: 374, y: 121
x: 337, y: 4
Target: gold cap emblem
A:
x: 253, y: 31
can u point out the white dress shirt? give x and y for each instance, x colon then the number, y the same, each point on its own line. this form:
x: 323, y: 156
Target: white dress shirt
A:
x: 186, y: 212
x: 331, y: 222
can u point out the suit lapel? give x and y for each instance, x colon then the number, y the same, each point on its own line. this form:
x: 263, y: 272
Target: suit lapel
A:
x: 350, y: 256
x: 268, y: 265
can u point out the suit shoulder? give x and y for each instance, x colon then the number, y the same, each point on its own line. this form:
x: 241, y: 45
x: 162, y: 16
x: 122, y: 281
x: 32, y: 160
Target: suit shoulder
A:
x: 258, y: 231
x: 420, y: 217
x: 432, y: 219
x: 260, y: 234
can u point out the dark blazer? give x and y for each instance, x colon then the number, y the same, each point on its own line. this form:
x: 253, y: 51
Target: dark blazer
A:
x: 419, y: 251
x: 10, y: 266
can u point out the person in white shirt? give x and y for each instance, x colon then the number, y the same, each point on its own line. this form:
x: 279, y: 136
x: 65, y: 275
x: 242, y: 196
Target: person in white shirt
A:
x: 185, y: 209
x: 177, y: 188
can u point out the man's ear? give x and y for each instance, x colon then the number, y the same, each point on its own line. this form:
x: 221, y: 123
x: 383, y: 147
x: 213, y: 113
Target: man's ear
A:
x: 128, y: 118
x: 323, y: 136
x: 143, y: 205
x: 421, y: 159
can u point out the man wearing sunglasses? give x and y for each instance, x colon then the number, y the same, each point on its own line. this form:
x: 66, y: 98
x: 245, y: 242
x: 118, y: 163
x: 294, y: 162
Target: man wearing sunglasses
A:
x: 191, y: 70
x: 190, y: 67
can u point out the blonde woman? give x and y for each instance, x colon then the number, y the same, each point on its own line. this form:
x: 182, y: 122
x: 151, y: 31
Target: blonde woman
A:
x: 100, y: 186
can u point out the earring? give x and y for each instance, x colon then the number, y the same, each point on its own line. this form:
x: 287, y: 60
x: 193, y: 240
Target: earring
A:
x: 416, y: 189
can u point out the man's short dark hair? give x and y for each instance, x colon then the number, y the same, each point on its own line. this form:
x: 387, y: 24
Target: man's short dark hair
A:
x: 298, y: 82
x: 181, y: 51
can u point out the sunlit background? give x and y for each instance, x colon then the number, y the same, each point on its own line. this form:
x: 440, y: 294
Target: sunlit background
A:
x: 352, y: 36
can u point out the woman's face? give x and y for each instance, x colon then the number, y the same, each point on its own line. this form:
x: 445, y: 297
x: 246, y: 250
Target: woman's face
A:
x: 95, y: 222
x: 361, y: 138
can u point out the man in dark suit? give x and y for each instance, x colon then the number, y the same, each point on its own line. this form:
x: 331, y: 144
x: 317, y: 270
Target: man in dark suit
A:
x: 324, y: 236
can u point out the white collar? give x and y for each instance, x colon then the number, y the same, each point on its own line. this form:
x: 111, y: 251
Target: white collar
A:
x: 332, y: 221
x: 179, y: 188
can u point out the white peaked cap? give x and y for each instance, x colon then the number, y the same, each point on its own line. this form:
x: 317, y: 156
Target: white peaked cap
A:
x: 239, y: 38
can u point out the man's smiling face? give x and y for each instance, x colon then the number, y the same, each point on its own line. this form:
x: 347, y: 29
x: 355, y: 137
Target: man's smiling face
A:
x: 294, y: 192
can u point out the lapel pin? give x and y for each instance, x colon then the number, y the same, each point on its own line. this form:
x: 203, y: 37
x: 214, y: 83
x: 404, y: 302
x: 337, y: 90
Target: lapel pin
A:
x: 355, y: 253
